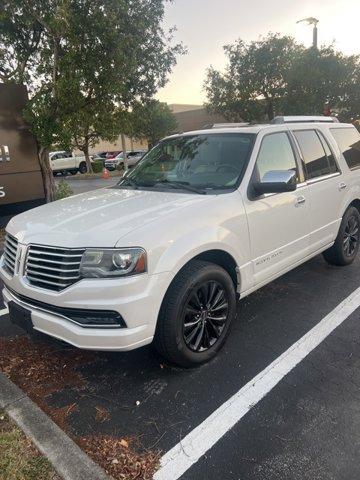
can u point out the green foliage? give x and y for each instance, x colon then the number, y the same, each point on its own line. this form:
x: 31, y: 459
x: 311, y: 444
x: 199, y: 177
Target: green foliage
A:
x: 254, y: 82
x: 324, y: 76
x: 85, y: 62
x: 277, y: 76
x: 97, y: 167
x: 152, y: 121
x: 63, y: 190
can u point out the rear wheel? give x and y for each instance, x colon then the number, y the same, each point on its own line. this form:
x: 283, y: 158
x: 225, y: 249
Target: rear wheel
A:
x: 346, y: 245
x: 196, y: 314
x: 82, y: 167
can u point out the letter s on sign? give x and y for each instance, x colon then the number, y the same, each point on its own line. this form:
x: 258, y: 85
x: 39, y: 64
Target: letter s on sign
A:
x: 2, y: 193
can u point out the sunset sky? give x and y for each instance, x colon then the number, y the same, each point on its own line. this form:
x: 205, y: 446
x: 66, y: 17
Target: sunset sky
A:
x: 204, y: 26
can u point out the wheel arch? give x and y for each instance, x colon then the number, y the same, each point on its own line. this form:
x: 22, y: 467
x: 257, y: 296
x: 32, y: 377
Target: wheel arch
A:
x: 355, y: 203
x: 219, y: 257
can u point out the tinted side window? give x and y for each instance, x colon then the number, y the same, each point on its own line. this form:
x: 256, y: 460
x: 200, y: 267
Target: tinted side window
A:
x: 275, y: 153
x: 348, y: 140
x: 315, y: 158
x: 330, y: 156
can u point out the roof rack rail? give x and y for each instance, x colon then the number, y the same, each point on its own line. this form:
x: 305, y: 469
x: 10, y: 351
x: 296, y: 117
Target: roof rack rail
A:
x: 230, y: 125
x: 304, y: 118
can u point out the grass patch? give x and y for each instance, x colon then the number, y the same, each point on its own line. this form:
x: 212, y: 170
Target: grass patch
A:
x: 19, y: 459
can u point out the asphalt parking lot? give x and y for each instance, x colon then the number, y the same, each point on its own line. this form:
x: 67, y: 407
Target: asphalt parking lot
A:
x: 305, y: 427
x: 82, y: 185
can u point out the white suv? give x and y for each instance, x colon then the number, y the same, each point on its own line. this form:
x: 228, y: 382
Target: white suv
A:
x: 205, y: 217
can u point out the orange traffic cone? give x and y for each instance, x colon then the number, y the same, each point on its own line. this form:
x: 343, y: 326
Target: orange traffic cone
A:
x: 106, y: 174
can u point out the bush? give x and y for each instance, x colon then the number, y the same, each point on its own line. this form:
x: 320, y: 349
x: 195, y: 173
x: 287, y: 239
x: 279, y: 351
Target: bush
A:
x: 63, y: 190
x: 97, y: 166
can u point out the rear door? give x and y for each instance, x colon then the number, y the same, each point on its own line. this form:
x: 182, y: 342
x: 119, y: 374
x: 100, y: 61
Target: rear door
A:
x: 326, y: 189
x: 278, y: 223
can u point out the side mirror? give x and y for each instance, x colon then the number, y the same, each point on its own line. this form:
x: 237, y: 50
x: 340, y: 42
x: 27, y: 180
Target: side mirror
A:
x: 276, y: 181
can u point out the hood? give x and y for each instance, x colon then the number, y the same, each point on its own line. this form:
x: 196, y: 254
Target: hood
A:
x: 96, y: 219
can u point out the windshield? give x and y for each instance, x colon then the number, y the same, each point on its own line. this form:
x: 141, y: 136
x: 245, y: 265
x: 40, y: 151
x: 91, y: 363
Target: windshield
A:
x: 207, y: 162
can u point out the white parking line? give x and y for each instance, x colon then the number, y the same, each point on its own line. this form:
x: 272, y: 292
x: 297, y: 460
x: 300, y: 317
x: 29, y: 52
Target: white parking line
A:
x: 4, y: 311
x: 180, y: 458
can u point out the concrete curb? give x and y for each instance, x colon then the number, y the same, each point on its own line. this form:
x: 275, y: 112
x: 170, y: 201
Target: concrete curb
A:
x: 69, y: 461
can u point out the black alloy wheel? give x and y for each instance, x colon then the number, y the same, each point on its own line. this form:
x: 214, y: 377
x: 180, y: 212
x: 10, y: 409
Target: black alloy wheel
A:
x: 196, y: 314
x: 205, y: 316
x: 346, y: 246
x: 351, y: 236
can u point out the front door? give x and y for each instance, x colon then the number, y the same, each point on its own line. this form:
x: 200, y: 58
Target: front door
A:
x: 278, y: 223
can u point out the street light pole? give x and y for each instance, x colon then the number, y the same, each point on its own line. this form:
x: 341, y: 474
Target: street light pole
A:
x: 312, y: 21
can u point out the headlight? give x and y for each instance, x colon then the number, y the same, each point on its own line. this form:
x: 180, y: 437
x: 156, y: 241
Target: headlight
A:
x: 112, y: 263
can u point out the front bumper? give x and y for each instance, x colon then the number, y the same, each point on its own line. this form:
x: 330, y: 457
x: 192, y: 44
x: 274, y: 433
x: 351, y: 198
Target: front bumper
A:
x: 111, y: 166
x: 137, y: 299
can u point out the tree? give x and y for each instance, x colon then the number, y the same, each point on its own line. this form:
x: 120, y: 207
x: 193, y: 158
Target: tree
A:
x: 324, y: 77
x: 152, y: 121
x: 85, y: 62
x: 84, y: 128
x: 255, y: 79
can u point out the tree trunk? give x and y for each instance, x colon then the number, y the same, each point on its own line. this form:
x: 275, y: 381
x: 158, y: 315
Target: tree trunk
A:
x: 270, y: 109
x: 123, y: 146
x: 47, y: 174
x: 87, y: 158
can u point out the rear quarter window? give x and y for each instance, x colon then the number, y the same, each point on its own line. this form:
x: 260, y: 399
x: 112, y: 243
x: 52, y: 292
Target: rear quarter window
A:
x: 348, y: 140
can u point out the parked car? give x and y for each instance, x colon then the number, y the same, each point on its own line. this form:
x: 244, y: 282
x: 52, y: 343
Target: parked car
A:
x: 205, y: 218
x: 66, y: 162
x: 97, y: 158
x: 112, y: 154
x: 133, y: 157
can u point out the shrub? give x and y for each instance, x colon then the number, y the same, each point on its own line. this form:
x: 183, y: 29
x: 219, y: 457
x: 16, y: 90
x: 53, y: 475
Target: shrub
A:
x: 63, y: 190
x: 97, y: 166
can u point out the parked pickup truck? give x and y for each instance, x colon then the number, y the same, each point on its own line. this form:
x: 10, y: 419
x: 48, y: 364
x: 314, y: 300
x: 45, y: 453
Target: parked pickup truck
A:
x: 66, y: 162
x: 205, y: 217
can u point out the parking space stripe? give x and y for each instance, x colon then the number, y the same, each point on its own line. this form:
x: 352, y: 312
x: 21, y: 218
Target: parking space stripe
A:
x: 191, y: 448
x: 4, y: 311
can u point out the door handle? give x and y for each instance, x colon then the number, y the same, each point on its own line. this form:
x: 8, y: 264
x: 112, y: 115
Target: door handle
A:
x: 342, y: 186
x: 300, y: 201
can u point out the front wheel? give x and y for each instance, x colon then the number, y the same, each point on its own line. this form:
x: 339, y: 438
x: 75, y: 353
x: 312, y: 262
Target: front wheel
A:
x: 346, y: 245
x: 196, y: 314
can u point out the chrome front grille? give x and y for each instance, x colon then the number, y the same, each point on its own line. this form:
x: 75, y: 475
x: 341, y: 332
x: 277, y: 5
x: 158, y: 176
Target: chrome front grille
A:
x: 10, y: 251
x: 53, y: 268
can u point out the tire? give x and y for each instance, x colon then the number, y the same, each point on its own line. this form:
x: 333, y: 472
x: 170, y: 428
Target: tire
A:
x: 82, y: 167
x: 346, y: 245
x: 181, y: 306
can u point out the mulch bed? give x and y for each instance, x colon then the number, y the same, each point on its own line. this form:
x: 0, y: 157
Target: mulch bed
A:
x: 41, y: 369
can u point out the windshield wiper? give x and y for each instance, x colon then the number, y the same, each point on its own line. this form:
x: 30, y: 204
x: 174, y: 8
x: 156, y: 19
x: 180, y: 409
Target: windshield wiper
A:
x: 181, y: 186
